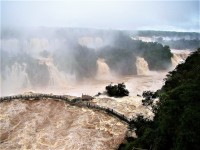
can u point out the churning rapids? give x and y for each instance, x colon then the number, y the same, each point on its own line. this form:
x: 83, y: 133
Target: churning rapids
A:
x: 47, y: 124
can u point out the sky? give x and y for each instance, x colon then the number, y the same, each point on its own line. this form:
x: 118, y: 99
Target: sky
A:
x: 110, y: 14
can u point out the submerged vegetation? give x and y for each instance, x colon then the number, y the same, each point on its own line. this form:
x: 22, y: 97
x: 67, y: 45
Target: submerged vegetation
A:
x: 177, y: 119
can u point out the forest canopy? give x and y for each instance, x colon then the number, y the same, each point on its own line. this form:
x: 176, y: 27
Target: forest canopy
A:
x: 177, y: 118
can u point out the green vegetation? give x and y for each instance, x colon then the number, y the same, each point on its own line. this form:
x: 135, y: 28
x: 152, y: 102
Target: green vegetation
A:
x: 175, y: 40
x: 119, y: 51
x: 151, y: 33
x: 82, y: 61
x: 149, y: 96
x: 177, y: 115
x: 122, y: 61
x: 181, y: 43
x: 117, y: 90
x: 86, y: 62
x: 157, y: 56
x: 121, y: 55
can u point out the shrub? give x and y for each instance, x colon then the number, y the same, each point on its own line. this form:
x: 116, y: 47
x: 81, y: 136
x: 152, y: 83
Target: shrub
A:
x: 117, y: 90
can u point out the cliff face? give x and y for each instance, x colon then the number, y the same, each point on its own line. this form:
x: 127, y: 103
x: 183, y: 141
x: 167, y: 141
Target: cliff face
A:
x: 48, y: 124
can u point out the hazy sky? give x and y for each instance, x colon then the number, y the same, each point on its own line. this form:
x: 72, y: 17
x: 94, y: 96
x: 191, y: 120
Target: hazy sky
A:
x: 115, y: 14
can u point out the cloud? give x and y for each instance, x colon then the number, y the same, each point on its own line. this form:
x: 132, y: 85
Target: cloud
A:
x: 102, y: 14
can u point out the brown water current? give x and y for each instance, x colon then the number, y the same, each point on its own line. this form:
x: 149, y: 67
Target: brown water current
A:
x: 46, y: 124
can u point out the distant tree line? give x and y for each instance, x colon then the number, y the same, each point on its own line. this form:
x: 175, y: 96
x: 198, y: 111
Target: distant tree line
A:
x: 151, y: 33
x: 182, y: 43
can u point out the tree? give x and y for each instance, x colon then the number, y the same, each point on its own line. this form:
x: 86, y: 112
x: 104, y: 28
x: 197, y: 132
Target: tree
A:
x: 177, y: 118
x: 117, y: 90
x: 149, y: 96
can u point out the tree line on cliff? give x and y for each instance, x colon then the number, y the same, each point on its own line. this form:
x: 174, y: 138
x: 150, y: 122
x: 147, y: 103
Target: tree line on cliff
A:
x: 177, y: 115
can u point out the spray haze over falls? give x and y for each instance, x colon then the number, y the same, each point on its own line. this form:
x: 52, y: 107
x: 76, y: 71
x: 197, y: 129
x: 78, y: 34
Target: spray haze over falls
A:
x: 69, y: 61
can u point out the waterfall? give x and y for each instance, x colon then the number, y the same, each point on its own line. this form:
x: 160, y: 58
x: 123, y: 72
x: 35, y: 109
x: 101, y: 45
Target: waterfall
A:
x: 91, y: 42
x: 57, y: 78
x: 103, y: 69
x: 179, y: 56
x: 142, y: 66
x: 16, y: 79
